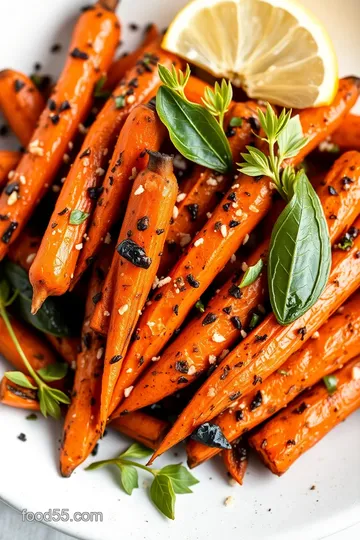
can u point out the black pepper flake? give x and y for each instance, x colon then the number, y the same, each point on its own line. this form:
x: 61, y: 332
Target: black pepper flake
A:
x: 55, y: 119
x: 95, y: 450
x: 54, y: 225
x: 257, y: 380
x: 225, y: 373
x: 4, y: 130
x: 95, y: 192
x: 346, y: 181
x: 217, y: 226
x: 226, y: 206
x: 158, y: 296
x: 176, y: 309
x: 182, y: 366
x: 357, y: 255
x: 239, y: 415
x: 97, y: 297
x: 234, y: 395
x: 135, y: 254
x: 332, y: 216
x: 76, y: 53
x: 51, y: 105
x: 143, y: 223
x: 264, y: 445
x: 234, y: 223
x: 87, y: 340
x: 302, y: 331
x: 85, y: 153
x: 63, y: 211
x: 254, y: 123
x: 4, y: 217
x: 291, y: 442
x: 332, y: 190
x: 257, y: 401
x: 235, y: 321
x: 134, y: 83
x: 18, y: 85
x: 260, y: 338
x: 232, y: 196
x: 55, y: 48
x: 10, y: 188
x: 301, y: 408
x: 22, y: 437
x: 230, y: 132
x: 209, y: 318
x: 235, y: 292
x: 160, y: 231
x: 115, y: 359
x: 192, y: 281
x: 182, y: 380
x: 133, y: 27
x: 227, y: 310
x: 193, y: 210
x: 64, y: 106
x: 6, y: 237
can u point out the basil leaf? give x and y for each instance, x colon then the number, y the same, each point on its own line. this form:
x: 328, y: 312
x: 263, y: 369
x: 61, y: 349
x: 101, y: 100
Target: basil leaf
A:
x: 53, y: 372
x: 330, y: 382
x: 291, y: 139
x: 129, y: 478
x: 180, y: 478
x: 163, y: 495
x: 136, y: 451
x: 210, y: 435
x: 194, y: 131
x: 77, y: 217
x: 251, y: 274
x: 17, y: 377
x: 300, y: 254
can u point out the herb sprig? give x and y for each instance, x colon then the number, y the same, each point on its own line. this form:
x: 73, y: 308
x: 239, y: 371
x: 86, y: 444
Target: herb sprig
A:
x: 167, y: 482
x: 300, y: 250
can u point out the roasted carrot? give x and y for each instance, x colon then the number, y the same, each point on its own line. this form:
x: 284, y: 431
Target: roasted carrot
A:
x: 141, y: 240
x: 142, y: 427
x: 8, y: 162
x: 24, y: 249
x: 81, y: 426
x: 236, y: 461
x: 230, y: 311
x: 54, y: 266
x: 282, y: 440
x: 119, y: 68
x: 91, y: 51
x: 347, y: 136
x: 21, y: 103
x: 337, y: 342
x: 66, y: 347
x: 17, y: 396
x: 142, y: 131
x: 259, y: 355
x: 195, y: 89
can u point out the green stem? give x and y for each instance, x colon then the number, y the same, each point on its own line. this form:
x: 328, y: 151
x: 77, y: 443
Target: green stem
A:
x: 154, y: 472
x: 274, y: 164
x: 12, y: 299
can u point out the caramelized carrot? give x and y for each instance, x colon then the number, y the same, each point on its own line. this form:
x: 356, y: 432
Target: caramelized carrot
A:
x: 66, y: 347
x: 259, y: 355
x: 142, y: 131
x: 8, y: 162
x: 230, y: 311
x: 195, y: 89
x: 21, y: 103
x: 141, y: 240
x: 337, y: 342
x: 347, y: 136
x: 141, y: 427
x: 236, y: 461
x: 81, y: 426
x: 282, y: 440
x: 91, y: 51
x: 54, y: 266
x: 17, y: 396
x: 24, y: 249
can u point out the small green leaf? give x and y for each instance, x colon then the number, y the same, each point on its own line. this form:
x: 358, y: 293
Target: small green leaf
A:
x: 330, y: 382
x: 200, y: 306
x: 163, y: 495
x: 217, y: 100
x: 255, y: 164
x: 102, y: 463
x: 4, y: 290
x: 98, y: 90
x: 291, y: 139
x: 194, y: 131
x: 31, y: 416
x: 236, y: 121
x: 119, y: 102
x: 77, y: 217
x: 255, y: 319
x: 180, y: 477
x: 129, y: 478
x: 53, y: 372
x: 58, y: 395
x: 251, y: 274
x: 48, y: 405
x: 17, y: 377
x: 174, y: 79
x: 136, y: 451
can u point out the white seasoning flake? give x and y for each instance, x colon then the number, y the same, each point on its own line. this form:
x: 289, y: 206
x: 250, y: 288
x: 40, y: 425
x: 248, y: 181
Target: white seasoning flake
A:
x: 105, y: 151
x: 150, y: 324
x: 100, y: 171
x: 12, y: 198
x: 217, y: 338
x: 235, y: 186
x: 198, y: 242
x: 139, y: 190
x: 211, y: 392
x: 130, y: 99
x: 86, y: 161
x: 155, y: 358
x: 244, y: 267
x: 238, y: 213
x: 70, y: 145
x: 254, y: 208
x: 232, y: 482
x: 82, y: 129
x: 191, y: 370
x: 243, y: 334
x: 129, y: 370
x: 11, y: 175
x: 233, y: 258
x: 156, y: 282
x: 107, y: 238
x: 246, y: 239
x: 106, y: 313
x: 123, y: 309
x: 315, y: 335
x: 208, y: 215
x: 133, y: 173
x: 211, y: 181
x: 100, y: 353
x: 35, y: 148
x: 175, y: 212
x: 355, y: 373
x: 180, y: 162
x: 180, y: 197
x: 79, y: 247
x: 55, y: 188
x: 163, y: 282
x: 223, y: 231
x: 229, y: 501
x: 212, y: 358
x: 22, y: 179
x: 30, y: 258
x: 128, y: 391
x: 66, y: 158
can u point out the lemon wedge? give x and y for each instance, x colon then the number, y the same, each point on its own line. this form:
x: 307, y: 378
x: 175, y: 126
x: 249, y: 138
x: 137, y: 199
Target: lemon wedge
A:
x: 275, y: 49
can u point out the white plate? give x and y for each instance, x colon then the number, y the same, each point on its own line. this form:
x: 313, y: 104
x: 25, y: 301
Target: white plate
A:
x: 28, y: 471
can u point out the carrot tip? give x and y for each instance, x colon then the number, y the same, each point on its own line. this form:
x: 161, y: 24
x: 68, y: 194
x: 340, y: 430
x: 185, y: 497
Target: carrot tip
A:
x: 39, y: 297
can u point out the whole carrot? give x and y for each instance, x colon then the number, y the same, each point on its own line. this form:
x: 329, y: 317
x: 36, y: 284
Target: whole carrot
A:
x: 142, y: 427
x: 13, y: 395
x: 21, y: 103
x: 54, y: 266
x: 236, y: 461
x: 282, y: 440
x: 347, y: 136
x: 91, y: 50
x: 142, y: 131
x: 8, y: 162
x: 337, y: 342
x: 259, y: 355
x: 141, y: 240
x: 230, y: 311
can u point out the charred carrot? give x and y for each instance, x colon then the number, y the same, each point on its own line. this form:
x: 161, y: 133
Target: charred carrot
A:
x: 347, y: 136
x: 141, y: 240
x: 259, y: 355
x: 54, y: 266
x: 17, y: 396
x: 8, y: 162
x: 66, y: 347
x: 21, y: 103
x: 91, y: 51
x: 282, y: 440
x: 337, y: 342
x: 142, y: 131
x: 236, y: 461
x: 142, y: 427
x: 229, y: 312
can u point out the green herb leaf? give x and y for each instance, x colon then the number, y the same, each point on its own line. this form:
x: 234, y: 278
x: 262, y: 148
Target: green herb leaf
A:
x: 251, y: 274
x: 180, y: 477
x: 255, y: 163
x: 236, y: 121
x: 48, y: 405
x: 291, y: 139
x: 58, y: 395
x: 255, y: 319
x: 53, y: 372
x: 98, y: 89
x: 163, y: 495
x: 194, y: 131
x: 174, y: 79
x: 77, y: 217
x: 300, y: 254
x: 136, y: 451
x: 129, y: 478
x: 17, y: 377
x: 102, y: 463
x: 200, y: 306
x: 330, y: 382
x: 217, y: 101
x: 119, y: 102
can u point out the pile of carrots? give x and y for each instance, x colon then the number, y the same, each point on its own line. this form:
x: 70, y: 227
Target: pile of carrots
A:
x: 140, y: 248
